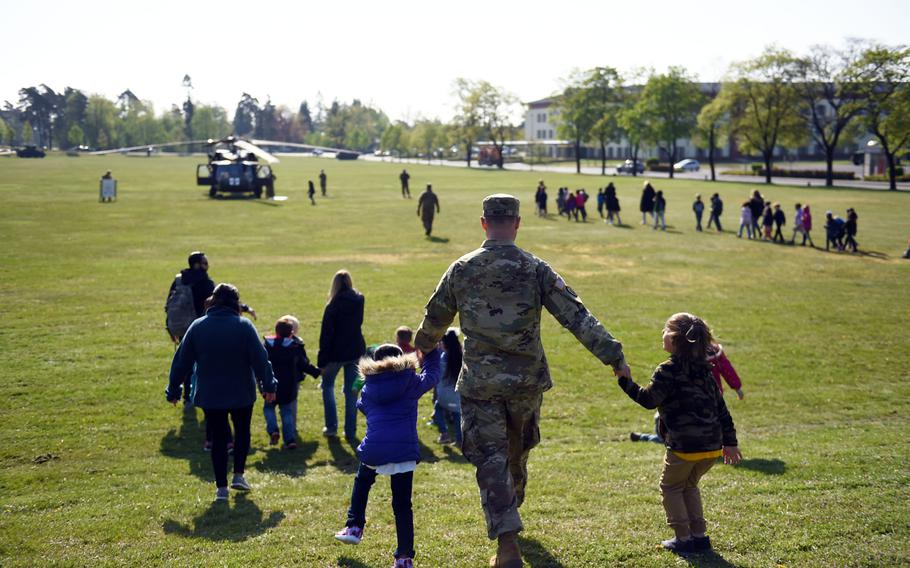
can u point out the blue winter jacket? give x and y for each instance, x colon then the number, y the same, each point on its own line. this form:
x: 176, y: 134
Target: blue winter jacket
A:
x: 389, y: 401
x: 227, y: 353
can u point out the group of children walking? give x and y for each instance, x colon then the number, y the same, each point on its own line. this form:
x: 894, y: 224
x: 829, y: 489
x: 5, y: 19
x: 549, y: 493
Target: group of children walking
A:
x: 759, y: 219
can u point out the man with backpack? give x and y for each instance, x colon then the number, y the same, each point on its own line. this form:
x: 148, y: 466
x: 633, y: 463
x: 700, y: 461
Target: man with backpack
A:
x: 186, y: 301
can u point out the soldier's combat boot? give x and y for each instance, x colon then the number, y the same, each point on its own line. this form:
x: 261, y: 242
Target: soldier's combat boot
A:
x: 508, y: 555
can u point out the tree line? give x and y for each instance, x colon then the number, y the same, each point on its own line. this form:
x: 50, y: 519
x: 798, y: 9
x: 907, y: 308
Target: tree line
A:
x: 776, y: 100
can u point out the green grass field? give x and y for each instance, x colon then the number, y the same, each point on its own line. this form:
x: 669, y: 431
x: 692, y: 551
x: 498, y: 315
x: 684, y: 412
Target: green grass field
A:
x: 96, y: 469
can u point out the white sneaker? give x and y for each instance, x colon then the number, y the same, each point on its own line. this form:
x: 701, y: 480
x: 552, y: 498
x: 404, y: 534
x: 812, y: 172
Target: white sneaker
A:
x: 239, y: 483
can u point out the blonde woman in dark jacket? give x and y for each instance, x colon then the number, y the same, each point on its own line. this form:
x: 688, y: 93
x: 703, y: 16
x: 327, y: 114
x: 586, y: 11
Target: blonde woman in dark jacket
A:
x: 341, y: 345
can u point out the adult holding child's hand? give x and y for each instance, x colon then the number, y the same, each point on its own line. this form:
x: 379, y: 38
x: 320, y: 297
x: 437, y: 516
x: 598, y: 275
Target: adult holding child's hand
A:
x: 226, y: 352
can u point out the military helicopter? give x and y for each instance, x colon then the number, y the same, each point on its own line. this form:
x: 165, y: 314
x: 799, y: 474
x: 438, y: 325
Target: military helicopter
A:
x: 234, y: 164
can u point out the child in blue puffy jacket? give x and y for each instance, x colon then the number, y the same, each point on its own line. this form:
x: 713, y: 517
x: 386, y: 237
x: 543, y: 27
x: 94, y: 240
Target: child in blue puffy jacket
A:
x: 390, y: 446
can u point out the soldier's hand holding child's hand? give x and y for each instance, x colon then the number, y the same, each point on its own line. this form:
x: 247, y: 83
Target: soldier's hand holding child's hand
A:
x: 269, y: 397
x: 732, y: 455
x: 623, y: 371
x: 740, y: 394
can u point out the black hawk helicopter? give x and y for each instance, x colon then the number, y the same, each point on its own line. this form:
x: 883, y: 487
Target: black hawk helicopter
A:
x: 235, y: 164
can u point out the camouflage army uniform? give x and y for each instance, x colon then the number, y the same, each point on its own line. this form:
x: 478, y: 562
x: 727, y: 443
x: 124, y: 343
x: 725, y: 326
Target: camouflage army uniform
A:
x: 498, y: 292
x: 427, y: 207
x: 696, y: 425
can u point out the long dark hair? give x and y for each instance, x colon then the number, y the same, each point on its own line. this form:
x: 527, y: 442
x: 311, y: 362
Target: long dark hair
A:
x: 690, y: 338
x: 453, y: 349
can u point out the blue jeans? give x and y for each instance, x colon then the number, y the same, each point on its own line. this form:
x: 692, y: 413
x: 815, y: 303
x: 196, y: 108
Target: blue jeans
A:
x: 288, y: 413
x: 350, y: 397
x: 402, y: 485
x: 441, y: 417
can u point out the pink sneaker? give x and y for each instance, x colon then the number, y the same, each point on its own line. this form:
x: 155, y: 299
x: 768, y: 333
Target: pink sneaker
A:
x: 350, y: 535
x: 403, y: 563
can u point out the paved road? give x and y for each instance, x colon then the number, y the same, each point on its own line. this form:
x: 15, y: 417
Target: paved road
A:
x: 704, y: 174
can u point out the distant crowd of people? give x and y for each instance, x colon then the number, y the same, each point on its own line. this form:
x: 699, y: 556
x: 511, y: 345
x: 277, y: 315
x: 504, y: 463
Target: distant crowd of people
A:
x: 759, y: 219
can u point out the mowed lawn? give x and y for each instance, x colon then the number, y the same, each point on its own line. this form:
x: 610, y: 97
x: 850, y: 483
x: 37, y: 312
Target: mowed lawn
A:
x: 97, y: 469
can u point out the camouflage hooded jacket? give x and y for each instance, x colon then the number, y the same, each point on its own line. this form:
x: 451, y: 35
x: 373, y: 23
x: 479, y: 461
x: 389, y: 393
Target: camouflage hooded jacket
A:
x: 691, y: 406
x: 498, y: 292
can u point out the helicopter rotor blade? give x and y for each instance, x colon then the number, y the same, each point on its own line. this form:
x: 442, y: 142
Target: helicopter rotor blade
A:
x: 145, y: 147
x: 256, y: 151
x: 302, y: 146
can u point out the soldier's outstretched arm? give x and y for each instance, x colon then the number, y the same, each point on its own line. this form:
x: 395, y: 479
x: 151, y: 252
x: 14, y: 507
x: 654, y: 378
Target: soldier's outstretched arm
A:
x: 438, y: 315
x: 571, y: 313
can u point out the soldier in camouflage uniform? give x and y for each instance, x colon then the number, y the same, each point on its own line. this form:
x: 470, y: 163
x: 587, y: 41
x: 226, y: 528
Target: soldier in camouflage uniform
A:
x: 498, y: 292
x: 427, y: 208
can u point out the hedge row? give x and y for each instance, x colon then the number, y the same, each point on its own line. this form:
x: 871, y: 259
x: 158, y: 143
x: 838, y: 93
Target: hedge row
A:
x: 780, y: 172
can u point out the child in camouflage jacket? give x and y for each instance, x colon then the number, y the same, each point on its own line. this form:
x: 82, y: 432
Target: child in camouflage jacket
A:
x: 698, y: 427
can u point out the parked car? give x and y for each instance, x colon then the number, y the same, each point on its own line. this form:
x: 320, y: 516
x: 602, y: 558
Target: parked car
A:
x: 627, y: 167
x: 30, y: 152
x: 687, y: 165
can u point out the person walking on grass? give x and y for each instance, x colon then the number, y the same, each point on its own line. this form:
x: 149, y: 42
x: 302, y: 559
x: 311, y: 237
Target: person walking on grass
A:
x: 341, y: 345
x: 447, y: 406
x: 581, y: 198
x: 498, y: 291
x: 745, y: 220
x: 225, y: 350
x: 767, y: 222
x: 646, y: 205
x: 699, y: 208
x: 311, y: 192
x: 698, y: 425
x: 601, y: 202
x: 290, y: 365
x: 757, y: 206
x: 660, y: 207
x: 807, y: 225
x: 612, y: 204
x: 570, y: 206
x: 780, y: 219
x: 391, y: 390
x: 427, y: 208
x: 322, y: 182
x: 850, y: 230
x: 405, y: 187
x: 717, y: 208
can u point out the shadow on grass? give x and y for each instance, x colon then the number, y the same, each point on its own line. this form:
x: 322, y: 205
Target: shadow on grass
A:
x: 222, y: 522
x: 346, y: 562
x: 769, y: 467
x: 427, y: 455
x: 269, y: 202
x: 709, y: 559
x: 437, y: 239
x: 186, y: 444
x: 536, y: 555
x: 288, y: 462
x: 342, y: 459
x: 622, y: 226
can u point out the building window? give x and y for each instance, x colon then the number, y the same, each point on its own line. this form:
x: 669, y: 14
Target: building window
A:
x: 551, y: 134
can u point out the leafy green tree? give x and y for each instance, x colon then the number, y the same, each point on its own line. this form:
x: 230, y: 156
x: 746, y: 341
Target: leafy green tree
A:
x: 305, y: 119
x: 831, y: 101
x: 28, y: 133
x: 466, y: 125
x: 632, y: 120
x: 210, y: 121
x: 391, y: 139
x: 496, y: 109
x: 764, y: 105
x: 100, y: 117
x: 882, y: 75
x: 245, y: 115
x: 670, y: 104
x: 75, y: 136
x: 42, y: 106
x: 712, y: 129
x: 74, y: 105
x: 604, y: 94
x: 6, y: 133
x: 267, y: 121
x: 575, y: 114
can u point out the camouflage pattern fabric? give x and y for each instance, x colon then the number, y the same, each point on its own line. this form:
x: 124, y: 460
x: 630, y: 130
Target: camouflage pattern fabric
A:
x: 498, y: 292
x: 427, y: 206
x: 690, y: 404
x: 498, y: 436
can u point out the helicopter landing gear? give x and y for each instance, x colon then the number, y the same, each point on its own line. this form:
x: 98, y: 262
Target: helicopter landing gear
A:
x: 213, y: 191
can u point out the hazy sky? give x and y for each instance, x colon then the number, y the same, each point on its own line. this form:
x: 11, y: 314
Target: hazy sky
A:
x: 400, y: 55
